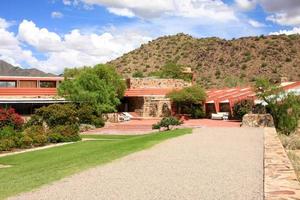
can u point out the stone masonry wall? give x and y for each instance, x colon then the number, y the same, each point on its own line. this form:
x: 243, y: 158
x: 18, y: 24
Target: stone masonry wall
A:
x: 156, y: 106
x: 157, y: 83
x: 280, y: 181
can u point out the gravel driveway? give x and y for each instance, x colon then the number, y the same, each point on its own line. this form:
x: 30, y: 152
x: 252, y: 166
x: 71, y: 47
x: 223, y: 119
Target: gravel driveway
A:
x: 210, y: 164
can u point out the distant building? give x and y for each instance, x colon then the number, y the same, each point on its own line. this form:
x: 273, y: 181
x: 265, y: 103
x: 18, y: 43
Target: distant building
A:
x: 27, y: 93
x: 144, y: 97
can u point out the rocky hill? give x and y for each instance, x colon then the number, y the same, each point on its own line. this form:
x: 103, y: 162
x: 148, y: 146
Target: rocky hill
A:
x: 7, y: 69
x: 218, y: 62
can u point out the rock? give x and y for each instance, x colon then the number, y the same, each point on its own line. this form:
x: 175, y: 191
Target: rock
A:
x: 258, y: 120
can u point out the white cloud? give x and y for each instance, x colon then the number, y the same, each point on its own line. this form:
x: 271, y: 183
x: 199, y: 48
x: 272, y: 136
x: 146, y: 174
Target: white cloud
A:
x: 246, y: 4
x: 284, y: 19
x: 41, y: 39
x: 121, y: 12
x: 67, y: 2
x: 56, y: 14
x: 10, y: 47
x: 76, y: 48
x: 255, y: 23
x: 205, y: 9
x: 295, y: 30
x: 4, y: 24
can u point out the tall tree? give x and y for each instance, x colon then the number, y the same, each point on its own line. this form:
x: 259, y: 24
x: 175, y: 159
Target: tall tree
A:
x: 99, y: 86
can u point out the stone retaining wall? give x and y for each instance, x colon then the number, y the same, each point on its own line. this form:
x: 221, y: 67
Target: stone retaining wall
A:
x: 157, y: 83
x: 280, y: 182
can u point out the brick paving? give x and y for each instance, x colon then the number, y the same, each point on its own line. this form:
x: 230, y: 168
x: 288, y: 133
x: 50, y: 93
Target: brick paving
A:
x: 280, y: 182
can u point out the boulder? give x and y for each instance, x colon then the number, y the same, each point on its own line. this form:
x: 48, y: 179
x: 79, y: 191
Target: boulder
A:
x: 258, y: 120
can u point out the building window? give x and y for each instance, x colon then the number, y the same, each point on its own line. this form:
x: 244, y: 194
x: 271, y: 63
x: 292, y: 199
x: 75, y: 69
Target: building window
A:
x: 8, y: 84
x: 48, y: 84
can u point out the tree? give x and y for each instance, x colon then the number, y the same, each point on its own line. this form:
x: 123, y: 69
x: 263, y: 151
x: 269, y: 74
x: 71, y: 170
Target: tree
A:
x: 189, y: 95
x: 174, y: 71
x: 100, y: 87
x: 189, y: 100
x: 284, y: 107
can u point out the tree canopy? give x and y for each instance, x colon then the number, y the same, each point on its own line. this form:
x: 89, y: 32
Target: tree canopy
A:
x: 189, y: 95
x: 99, y: 86
x: 173, y: 70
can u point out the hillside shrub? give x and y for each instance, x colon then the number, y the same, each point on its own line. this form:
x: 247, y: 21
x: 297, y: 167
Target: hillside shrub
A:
x: 167, y: 122
x: 138, y: 74
x: 8, y: 117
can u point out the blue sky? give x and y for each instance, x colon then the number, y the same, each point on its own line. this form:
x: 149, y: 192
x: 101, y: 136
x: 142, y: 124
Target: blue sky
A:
x: 54, y: 34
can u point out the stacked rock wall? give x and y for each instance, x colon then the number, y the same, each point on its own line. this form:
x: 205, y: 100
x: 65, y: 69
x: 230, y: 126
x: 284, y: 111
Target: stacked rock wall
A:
x: 157, y: 83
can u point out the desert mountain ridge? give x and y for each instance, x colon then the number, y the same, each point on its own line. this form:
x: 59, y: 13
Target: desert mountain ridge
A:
x: 218, y: 62
x: 7, y: 69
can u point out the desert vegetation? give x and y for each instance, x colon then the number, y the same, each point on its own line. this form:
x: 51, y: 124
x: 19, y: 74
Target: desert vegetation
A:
x: 189, y: 101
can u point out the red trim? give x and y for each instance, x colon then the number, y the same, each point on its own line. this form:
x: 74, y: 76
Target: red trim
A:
x: 22, y: 78
x: 28, y: 91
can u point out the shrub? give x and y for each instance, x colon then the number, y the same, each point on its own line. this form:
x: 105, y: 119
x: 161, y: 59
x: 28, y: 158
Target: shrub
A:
x: 241, y: 108
x: 88, y: 115
x: 64, y: 133
x: 285, y: 108
x: 287, y: 114
x: 166, y: 122
x: 57, y: 114
x: 7, y: 144
x: 26, y: 141
x: 8, y: 117
x: 138, y: 74
x: 197, y: 113
x: 97, y: 121
x: 37, y: 134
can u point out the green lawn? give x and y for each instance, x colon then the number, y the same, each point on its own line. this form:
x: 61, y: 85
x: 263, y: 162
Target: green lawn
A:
x: 33, y: 169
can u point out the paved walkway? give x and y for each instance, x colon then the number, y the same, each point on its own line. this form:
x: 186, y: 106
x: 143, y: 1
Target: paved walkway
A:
x: 210, y: 164
x: 145, y: 126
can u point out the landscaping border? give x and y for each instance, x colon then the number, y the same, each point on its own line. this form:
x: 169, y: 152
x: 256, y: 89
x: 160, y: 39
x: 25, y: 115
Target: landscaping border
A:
x: 280, y: 182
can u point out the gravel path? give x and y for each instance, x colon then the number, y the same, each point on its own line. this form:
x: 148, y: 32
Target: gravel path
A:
x: 210, y: 164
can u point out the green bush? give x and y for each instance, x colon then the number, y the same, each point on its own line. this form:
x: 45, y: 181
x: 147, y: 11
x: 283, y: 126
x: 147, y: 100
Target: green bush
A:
x: 287, y: 114
x: 26, y: 141
x: 197, y: 113
x: 57, y: 114
x: 166, y: 122
x: 88, y: 115
x: 138, y: 74
x: 37, y: 134
x: 64, y: 133
x: 9, y: 138
x: 97, y: 121
x: 7, y: 144
x: 241, y: 108
x: 285, y: 108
